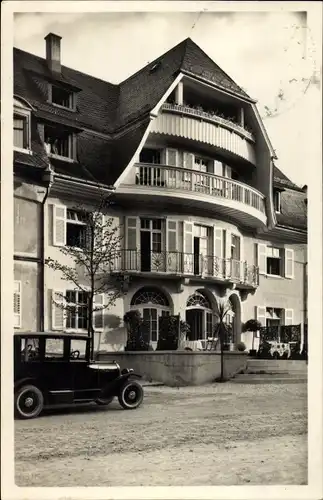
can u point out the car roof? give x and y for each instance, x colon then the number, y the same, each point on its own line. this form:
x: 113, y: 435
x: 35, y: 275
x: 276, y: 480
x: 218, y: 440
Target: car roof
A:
x: 57, y: 335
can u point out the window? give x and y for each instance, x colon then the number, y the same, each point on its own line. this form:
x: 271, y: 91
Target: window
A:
x: 54, y: 349
x: 152, y: 304
x: 30, y: 349
x: 20, y: 132
x: 77, y: 309
x: 58, y: 142
x: 80, y: 346
x: 150, y: 156
x: 277, y: 201
x: 274, y: 261
x: 76, y: 230
x: 273, y: 316
x: 201, y: 164
x: 154, y: 227
x: 21, y: 125
x: 62, y: 97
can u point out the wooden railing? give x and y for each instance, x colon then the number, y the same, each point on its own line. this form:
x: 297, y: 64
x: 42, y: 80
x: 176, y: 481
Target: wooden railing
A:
x: 161, y: 176
x: 186, y: 264
x: 177, y: 108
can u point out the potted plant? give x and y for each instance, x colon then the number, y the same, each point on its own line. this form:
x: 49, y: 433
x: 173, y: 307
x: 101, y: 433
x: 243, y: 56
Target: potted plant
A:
x: 241, y: 346
x: 252, y: 325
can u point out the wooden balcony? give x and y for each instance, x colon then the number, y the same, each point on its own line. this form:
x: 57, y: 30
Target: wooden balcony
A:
x: 182, y: 264
x: 190, y: 123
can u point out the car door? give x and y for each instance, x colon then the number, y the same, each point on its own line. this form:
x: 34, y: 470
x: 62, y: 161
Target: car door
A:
x: 56, y: 373
x: 84, y: 379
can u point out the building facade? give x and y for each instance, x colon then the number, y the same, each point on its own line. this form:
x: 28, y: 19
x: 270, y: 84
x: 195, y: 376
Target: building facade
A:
x: 202, y: 209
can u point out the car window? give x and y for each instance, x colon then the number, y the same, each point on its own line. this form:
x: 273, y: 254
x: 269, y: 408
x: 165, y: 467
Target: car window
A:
x: 30, y: 349
x: 78, y: 348
x: 54, y: 349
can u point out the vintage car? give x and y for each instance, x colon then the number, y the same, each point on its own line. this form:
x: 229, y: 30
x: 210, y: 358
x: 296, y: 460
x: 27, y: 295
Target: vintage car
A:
x: 53, y: 369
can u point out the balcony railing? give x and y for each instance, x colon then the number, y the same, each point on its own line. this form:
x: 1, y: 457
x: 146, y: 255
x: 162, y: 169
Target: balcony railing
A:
x: 182, y: 179
x: 214, y: 118
x: 186, y: 264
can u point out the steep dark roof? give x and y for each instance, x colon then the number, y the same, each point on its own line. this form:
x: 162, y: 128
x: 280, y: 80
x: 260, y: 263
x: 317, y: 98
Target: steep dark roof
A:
x: 293, y: 209
x: 282, y: 181
x: 143, y: 90
x: 110, y: 120
x: 96, y: 100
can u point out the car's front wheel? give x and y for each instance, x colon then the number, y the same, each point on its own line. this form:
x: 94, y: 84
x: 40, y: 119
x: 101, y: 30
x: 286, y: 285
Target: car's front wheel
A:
x: 104, y: 401
x: 131, y: 395
x: 29, y: 401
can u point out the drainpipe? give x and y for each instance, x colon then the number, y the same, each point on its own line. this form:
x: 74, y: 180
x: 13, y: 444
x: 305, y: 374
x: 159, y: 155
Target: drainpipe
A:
x: 48, y: 178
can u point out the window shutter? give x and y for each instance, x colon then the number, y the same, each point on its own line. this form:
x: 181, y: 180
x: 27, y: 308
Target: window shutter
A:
x: 262, y: 258
x: 172, y: 246
x: 289, y: 263
x: 188, y: 160
x: 227, y: 250
x: 188, y: 247
x: 17, y: 304
x: 171, y: 157
x: 131, y: 233
x: 218, y: 242
x: 289, y: 316
x: 59, y: 225
x: 188, y: 237
x: 98, y: 320
x: 172, y: 236
x: 261, y: 314
x: 58, y: 312
x: 218, y: 168
x: 228, y: 172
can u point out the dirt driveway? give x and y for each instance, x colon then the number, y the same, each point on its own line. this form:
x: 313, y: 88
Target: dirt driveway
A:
x: 225, y: 434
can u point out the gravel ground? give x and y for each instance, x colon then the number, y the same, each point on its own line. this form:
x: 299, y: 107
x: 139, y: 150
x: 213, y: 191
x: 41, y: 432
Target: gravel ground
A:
x: 224, y: 434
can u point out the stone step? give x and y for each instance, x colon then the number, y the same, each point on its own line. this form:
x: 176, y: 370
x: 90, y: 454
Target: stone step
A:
x: 269, y: 379
x: 271, y: 375
x: 271, y: 370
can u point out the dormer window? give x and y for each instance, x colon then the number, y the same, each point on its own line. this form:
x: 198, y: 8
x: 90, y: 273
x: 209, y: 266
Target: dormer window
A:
x: 61, y: 97
x: 59, y: 142
x: 20, y: 131
x: 277, y: 201
x: 21, y: 126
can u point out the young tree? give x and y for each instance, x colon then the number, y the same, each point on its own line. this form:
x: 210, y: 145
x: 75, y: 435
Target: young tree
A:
x: 252, y: 325
x: 221, y: 329
x: 92, y: 254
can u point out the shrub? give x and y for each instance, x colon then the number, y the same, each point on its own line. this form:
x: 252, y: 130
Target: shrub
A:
x: 241, y: 346
x: 168, y: 333
x: 137, y: 332
x: 252, y: 325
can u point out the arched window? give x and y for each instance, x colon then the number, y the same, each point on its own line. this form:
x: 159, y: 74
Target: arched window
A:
x: 199, y: 316
x: 198, y: 300
x: 150, y: 296
x: 152, y: 304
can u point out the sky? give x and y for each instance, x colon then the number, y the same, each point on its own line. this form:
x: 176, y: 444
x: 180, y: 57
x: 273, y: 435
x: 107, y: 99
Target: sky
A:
x: 273, y: 56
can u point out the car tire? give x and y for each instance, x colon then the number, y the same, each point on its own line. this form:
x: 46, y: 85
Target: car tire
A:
x: 104, y: 401
x: 131, y: 395
x: 29, y: 402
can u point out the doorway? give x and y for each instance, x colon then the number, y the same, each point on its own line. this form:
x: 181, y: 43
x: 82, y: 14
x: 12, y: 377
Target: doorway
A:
x: 195, y: 319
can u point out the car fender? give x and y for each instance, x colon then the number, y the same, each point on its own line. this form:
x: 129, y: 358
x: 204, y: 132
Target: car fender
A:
x: 112, y: 388
x: 26, y: 381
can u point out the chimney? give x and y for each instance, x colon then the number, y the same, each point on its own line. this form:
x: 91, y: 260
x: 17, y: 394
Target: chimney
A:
x: 53, y: 52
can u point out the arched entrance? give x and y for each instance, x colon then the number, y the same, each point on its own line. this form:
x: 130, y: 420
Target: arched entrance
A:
x: 235, y: 317
x: 199, y: 316
x: 152, y: 303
